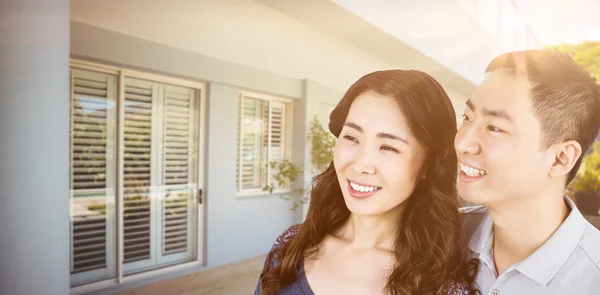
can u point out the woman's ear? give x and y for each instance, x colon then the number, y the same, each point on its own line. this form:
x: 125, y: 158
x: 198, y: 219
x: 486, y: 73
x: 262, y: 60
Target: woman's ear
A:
x: 424, y: 170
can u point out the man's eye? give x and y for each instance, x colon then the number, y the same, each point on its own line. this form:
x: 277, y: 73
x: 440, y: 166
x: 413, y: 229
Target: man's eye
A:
x: 494, y: 129
x: 466, y: 118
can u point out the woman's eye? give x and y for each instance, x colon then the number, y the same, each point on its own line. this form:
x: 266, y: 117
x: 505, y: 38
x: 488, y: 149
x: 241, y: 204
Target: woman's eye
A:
x: 350, y: 138
x: 466, y: 118
x: 389, y: 148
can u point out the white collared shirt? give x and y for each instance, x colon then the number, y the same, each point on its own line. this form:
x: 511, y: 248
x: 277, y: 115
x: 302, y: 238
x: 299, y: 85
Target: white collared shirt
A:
x: 568, y: 263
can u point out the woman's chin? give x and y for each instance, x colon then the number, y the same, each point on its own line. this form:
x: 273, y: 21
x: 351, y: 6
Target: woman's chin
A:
x: 364, y: 207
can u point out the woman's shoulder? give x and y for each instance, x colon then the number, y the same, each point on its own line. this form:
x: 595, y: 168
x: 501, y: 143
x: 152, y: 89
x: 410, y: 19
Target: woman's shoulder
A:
x: 271, y: 260
x: 286, y: 235
x: 459, y: 289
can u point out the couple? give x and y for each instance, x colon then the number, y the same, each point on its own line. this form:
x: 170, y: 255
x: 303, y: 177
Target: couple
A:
x: 383, y: 217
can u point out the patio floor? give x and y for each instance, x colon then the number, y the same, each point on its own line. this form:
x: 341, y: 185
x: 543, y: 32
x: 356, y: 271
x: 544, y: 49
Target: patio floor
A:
x: 237, y: 278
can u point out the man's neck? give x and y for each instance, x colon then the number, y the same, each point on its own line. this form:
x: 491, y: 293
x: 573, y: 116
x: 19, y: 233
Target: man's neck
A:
x: 524, y: 226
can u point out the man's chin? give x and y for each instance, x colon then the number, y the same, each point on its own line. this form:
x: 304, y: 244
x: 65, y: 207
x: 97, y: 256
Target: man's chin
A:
x: 472, y: 198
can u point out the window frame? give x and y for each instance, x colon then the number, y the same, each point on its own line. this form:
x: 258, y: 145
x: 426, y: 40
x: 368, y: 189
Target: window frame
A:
x: 287, y: 141
x: 198, y: 236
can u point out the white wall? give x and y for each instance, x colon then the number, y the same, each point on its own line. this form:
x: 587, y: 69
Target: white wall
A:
x: 237, y: 227
x: 443, y: 30
x: 239, y: 31
x: 242, y: 32
x: 34, y: 147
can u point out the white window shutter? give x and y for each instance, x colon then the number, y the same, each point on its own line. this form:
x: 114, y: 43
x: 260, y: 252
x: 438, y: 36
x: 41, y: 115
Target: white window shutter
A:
x: 263, y: 138
x: 253, y: 137
x: 160, y: 164
x: 278, y: 131
x: 139, y: 96
x: 178, y: 165
x: 89, y: 127
x: 92, y: 171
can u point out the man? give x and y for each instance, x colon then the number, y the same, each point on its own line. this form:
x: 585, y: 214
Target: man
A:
x: 521, y: 141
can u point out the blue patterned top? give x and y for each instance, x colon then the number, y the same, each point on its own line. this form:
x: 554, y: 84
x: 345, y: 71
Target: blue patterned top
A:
x: 301, y: 286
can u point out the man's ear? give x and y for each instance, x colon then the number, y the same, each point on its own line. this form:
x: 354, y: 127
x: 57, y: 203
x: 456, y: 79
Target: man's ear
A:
x: 566, y: 155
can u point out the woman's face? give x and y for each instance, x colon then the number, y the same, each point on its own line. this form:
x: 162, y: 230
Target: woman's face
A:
x: 377, y: 159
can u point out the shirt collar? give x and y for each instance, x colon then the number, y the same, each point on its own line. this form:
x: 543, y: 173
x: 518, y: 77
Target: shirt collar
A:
x: 545, y: 262
x: 483, y: 238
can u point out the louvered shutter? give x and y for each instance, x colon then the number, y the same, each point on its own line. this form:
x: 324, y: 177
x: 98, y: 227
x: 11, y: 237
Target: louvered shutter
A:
x: 278, y: 131
x: 160, y: 174
x: 92, y: 173
x: 179, y: 155
x: 254, y: 140
x: 137, y: 168
x: 277, y: 147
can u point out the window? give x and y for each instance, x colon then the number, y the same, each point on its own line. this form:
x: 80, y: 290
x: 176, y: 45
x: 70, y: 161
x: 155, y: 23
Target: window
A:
x: 263, y: 138
x: 135, y: 170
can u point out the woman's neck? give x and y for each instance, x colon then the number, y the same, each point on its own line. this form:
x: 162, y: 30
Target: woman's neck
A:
x: 365, y: 232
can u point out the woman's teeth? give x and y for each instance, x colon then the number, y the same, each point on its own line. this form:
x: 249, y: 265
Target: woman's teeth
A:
x: 363, y: 188
x: 472, y: 172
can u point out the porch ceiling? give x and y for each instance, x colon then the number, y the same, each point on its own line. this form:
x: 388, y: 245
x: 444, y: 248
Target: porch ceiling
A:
x: 185, y: 24
x: 339, y: 22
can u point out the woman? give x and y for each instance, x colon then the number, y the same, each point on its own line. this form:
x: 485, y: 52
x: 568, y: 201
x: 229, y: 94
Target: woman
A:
x: 383, y: 217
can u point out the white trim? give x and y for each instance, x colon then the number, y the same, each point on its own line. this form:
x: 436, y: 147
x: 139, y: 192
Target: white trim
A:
x: 157, y: 138
x: 71, y: 169
x: 240, y: 142
x: 200, y: 233
x: 95, y: 192
x: 194, y: 168
x: 120, y: 175
x: 163, y: 79
x: 84, y: 65
x: 288, y: 131
x: 111, y: 171
x: 269, y: 131
x: 98, y: 67
x: 264, y: 96
x: 287, y: 151
x: 260, y: 192
x: 288, y: 103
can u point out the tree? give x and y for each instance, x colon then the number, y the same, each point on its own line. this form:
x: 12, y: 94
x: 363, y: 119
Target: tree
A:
x: 586, y: 55
x: 585, y: 186
x: 286, y: 172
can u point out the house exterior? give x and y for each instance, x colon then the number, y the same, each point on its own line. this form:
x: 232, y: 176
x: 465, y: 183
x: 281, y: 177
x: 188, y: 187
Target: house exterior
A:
x: 154, y: 122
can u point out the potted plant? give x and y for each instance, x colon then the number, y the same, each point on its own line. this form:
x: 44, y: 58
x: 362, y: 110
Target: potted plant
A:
x: 286, y: 172
x: 586, y: 184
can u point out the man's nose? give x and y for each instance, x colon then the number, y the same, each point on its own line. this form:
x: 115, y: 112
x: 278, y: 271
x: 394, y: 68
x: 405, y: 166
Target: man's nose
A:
x: 466, y: 141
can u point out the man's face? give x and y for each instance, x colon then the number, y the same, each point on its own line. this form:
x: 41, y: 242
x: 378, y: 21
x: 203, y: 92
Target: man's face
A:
x: 498, y: 144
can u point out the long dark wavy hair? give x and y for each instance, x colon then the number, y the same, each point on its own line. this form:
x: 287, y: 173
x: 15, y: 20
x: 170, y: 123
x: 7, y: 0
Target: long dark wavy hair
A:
x: 428, y: 255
